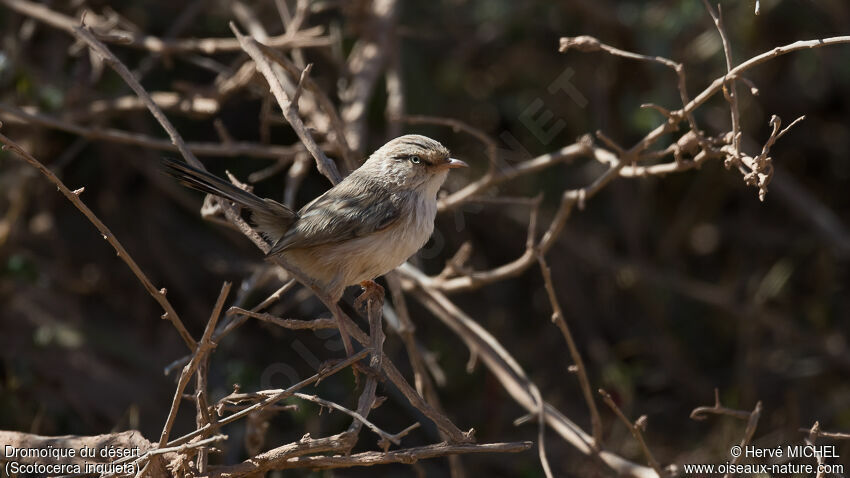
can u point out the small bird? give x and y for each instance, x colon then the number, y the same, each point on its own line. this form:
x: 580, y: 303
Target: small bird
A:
x: 365, y: 226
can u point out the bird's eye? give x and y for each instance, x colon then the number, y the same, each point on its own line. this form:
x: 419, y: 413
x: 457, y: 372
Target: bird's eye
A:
x: 414, y: 159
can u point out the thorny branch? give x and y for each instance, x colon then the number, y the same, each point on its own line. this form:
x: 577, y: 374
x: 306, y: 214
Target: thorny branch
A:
x: 74, y: 197
x: 345, y: 134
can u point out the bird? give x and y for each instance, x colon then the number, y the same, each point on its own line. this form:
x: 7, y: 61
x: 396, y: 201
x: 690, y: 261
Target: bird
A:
x: 363, y: 227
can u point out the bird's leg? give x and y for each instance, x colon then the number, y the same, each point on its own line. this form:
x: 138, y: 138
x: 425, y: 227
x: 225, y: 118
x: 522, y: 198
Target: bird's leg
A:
x: 372, y: 291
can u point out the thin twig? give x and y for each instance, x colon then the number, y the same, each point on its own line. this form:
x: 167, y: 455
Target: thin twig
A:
x: 701, y: 413
x: 416, y: 400
x: 234, y: 149
x: 406, y: 456
x: 541, y: 430
x: 324, y: 102
x: 325, y: 165
x: 821, y: 433
x: 294, y: 324
x: 272, y: 399
x: 509, y: 373
x: 810, y: 441
x: 580, y: 369
x: 636, y: 430
x: 752, y: 423
x: 304, y: 39
x: 84, y: 34
x: 733, y: 88
x: 74, y: 197
x: 395, y: 438
x: 203, y: 348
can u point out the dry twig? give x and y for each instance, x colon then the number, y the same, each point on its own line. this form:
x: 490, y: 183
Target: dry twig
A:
x: 579, y: 367
x: 203, y: 349
x: 74, y: 197
x: 636, y: 429
x: 325, y: 165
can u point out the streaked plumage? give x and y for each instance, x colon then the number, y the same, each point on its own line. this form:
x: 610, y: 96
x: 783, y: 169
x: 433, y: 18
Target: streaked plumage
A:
x: 365, y: 226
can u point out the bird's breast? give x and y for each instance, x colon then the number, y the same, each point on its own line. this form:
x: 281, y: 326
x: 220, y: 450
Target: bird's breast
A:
x: 367, y: 257
x: 414, y: 228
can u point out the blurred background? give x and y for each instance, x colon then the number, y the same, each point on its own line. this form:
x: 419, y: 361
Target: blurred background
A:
x: 672, y: 285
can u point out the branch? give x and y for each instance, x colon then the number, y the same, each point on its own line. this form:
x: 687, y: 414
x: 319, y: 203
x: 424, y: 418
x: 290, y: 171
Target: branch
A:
x: 394, y: 376
x: 325, y: 165
x: 636, y: 430
x: 701, y: 413
x: 123, y: 440
x: 506, y: 369
x: 621, y: 164
x: 305, y: 38
x: 272, y: 398
x: 293, y: 324
x: 752, y: 418
x: 733, y: 89
x: 324, y: 102
x: 204, y: 347
x: 230, y: 150
x: 85, y: 35
x: 566, y: 154
x: 74, y: 197
x: 394, y: 438
x: 578, y: 368
x: 371, y: 458
x: 365, y: 63
x: 820, y: 433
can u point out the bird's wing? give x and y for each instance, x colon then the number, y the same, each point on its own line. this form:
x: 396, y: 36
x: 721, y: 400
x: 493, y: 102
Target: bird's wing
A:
x: 341, y: 214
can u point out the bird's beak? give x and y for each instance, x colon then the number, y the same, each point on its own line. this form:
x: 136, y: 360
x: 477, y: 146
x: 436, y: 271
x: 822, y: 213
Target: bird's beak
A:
x: 453, y: 163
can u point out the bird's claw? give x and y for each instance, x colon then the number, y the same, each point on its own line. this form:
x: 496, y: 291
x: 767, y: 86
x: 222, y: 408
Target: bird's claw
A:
x: 372, y: 291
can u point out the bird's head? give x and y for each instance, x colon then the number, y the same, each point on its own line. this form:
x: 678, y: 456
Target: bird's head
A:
x: 412, y: 162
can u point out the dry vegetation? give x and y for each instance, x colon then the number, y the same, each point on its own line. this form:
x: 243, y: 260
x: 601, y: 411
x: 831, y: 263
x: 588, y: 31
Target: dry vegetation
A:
x: 313, y: 75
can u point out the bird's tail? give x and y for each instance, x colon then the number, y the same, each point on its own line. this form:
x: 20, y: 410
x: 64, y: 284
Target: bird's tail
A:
x: 271, y: 217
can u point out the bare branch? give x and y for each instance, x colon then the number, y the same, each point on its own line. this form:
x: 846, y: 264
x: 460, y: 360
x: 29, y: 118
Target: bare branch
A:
x: 203, y: 348
x: 272, y: 398
x: 636, y: 430
x: 325, y: 165
x: 701, y: 413
x: 407, y: 456
x: 394, y: 438
x: 293, y: 324
x: 733, y: 89
x: 74, y: 197
x: 84, y: 34
x: 236, y: 148
x: 580, y: 369
x: 305, y: 38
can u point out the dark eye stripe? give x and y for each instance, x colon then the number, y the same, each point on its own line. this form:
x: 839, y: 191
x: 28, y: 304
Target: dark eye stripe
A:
x: 410, y: 157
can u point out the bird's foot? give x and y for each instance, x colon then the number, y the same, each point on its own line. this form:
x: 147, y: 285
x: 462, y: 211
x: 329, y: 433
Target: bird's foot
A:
x: 372, y: 292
